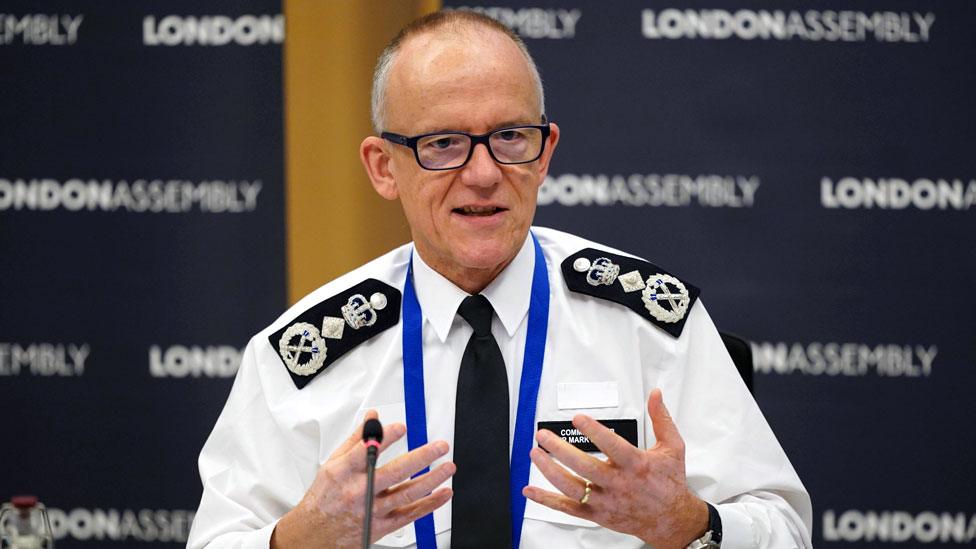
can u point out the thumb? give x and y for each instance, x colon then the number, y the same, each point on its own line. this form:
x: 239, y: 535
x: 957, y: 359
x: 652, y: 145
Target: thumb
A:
x: 665, y: 431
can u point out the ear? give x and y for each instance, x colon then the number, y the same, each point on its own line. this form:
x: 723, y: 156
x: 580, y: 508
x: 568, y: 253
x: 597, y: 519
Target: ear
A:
x: 549, y: 150
x: 376, y: 159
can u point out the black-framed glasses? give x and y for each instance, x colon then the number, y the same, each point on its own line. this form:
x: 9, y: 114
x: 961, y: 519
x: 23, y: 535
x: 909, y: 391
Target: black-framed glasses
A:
x: 451, y: 150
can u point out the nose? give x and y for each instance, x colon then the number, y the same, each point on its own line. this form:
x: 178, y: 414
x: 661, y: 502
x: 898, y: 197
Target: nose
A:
x: 481, y: 170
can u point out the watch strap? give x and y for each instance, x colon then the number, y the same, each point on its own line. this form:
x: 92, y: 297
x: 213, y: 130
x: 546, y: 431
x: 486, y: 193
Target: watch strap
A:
x: 714, y: 523
x: 713, y: 535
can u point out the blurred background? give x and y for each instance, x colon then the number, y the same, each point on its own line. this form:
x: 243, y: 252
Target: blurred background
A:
x: 174, y: 174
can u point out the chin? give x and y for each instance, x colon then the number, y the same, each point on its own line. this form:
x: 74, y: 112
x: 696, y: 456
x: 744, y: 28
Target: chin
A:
x: 479, y: 254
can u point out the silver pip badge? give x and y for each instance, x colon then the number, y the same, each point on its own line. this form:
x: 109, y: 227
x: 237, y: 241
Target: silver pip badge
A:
x: 631, y: 281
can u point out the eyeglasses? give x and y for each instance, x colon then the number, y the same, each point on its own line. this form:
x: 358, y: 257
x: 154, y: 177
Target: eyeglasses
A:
x: 451, y: 150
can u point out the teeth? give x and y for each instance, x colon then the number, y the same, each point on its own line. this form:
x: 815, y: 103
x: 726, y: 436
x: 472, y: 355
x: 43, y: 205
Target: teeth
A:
x: 478, y: 209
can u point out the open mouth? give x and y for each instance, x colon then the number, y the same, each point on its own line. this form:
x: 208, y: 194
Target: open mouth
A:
x: 478, y: 211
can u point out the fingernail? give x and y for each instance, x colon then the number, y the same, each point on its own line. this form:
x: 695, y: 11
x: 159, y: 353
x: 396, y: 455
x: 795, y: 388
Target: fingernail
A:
x: 441, y: 446
x: 581, y: 420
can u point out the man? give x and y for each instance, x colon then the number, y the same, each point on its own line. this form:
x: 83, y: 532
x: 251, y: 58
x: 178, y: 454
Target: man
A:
x: 535, y: 346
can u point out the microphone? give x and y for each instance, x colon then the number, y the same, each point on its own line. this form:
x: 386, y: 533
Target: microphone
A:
x: 372, y: 437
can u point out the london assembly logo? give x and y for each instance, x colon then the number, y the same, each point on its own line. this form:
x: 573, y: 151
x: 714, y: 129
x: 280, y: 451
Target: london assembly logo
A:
x: 848, y: 359
x: 44, y: 359
x: 138, y: 195
x: 532, y: 22
x: 128, y: 525
x: 895, y: 193
x: 855, y: 526
x: 184, y: 361
x: 40, y: 29
x: 809, y: 25
x: 650, y: 190
x: 213, y: 30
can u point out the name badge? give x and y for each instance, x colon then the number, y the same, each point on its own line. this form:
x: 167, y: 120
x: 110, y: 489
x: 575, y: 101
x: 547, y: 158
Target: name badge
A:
x: 625, y: 428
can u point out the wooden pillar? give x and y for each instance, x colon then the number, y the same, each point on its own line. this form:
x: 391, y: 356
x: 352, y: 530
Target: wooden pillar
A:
x: 334, y: 219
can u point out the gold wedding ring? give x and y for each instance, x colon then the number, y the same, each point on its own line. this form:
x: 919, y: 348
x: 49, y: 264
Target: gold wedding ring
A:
x: 586, y: 493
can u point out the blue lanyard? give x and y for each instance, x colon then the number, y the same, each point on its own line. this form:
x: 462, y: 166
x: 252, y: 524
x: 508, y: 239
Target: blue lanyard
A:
x: 413, y: 389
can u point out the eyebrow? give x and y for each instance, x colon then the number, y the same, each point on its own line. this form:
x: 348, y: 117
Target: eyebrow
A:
x: 506, y: 124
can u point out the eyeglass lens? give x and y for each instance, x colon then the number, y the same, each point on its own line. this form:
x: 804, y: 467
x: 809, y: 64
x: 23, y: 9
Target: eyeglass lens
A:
x: 450, y: 150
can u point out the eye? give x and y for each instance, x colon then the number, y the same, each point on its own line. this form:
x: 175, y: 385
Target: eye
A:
x: 509, y: 135
x: 442, y: 142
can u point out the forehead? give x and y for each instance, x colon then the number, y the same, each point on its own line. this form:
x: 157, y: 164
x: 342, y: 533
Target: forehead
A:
x: 470, y: 79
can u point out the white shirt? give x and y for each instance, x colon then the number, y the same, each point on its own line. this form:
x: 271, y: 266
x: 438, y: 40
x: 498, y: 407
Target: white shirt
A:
x: 601, y: 359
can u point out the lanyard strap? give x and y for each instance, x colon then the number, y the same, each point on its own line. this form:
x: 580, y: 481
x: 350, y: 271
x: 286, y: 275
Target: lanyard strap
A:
x: 416, y: 410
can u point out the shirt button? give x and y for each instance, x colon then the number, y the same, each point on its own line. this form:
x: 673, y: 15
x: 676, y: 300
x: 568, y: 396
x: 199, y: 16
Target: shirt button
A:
x: 400, y: 533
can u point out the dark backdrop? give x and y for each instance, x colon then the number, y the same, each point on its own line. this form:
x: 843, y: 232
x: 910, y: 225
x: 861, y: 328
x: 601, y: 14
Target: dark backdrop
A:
x: 811, y: 167
x: 141, y: 207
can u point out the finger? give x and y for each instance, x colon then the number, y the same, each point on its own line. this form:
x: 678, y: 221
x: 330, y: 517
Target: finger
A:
x: 558, y: 502
x: 356, y: 457
x: 408, y: 464
x: 564, y: 481
x: 402, y: 516
x: 407, y: 492
x: 392, y: 433
x: 613, y: 445
x: 355, y: 437
x: 665, y: 431
x: 579, y: 461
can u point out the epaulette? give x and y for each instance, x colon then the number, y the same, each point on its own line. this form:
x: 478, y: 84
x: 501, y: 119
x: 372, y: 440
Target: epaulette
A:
x: 344, y: 320
x: 643, y: 287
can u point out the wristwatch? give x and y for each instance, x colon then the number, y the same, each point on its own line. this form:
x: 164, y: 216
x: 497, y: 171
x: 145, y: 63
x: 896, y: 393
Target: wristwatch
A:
x: 713, y: 536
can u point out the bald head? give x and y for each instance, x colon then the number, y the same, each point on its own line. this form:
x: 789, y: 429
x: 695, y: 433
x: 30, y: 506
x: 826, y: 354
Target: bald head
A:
x: 434, y: 48
x: 452, y: 74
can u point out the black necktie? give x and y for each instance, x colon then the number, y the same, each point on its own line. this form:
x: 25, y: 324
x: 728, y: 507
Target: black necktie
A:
x: 480, y: 516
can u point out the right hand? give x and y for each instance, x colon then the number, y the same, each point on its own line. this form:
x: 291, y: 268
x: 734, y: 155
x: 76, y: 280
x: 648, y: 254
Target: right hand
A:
x: 331, y: 512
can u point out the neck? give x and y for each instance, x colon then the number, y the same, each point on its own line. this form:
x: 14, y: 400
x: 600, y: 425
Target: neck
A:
x: 470, y: 279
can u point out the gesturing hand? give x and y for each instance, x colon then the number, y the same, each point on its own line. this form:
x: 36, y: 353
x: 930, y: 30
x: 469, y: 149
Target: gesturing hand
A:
x: 638, y: 492
x: 331, y: 513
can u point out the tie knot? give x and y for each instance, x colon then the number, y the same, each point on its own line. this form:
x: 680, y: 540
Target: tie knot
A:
x: 476, y: 309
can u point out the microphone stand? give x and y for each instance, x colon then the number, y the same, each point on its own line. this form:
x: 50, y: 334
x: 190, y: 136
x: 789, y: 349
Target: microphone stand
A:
x: 372, y: 437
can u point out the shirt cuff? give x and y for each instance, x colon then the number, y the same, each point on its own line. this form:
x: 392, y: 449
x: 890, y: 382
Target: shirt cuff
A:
x: 254, y: 539
x: 737, y: 528
x: 261, y: 539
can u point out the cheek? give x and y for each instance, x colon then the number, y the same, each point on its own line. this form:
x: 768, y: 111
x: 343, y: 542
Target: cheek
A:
x: 426, y: 202
x: 527, y: 188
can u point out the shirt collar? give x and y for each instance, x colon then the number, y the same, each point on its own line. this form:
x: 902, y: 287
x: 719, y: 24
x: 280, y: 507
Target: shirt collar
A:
x: 509, y: 293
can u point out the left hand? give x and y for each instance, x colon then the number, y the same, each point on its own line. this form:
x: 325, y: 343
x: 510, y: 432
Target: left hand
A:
x: 639, y: 492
